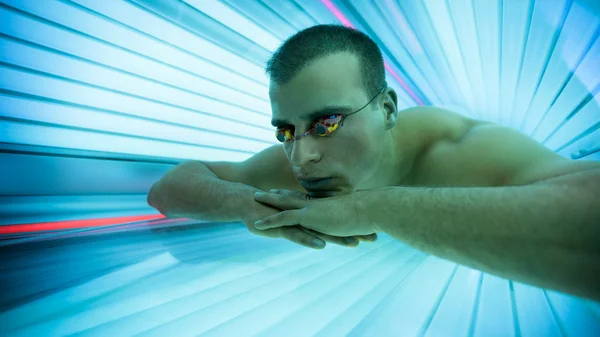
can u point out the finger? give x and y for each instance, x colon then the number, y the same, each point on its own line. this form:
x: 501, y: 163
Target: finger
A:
x: 291, y: 233
x: 281, y: 219
x: 268, y: 233
x: 297, y: 235
x: 292, y: 193
x: 370, y: 238
x: 281, y: 201
x: 349, y: 241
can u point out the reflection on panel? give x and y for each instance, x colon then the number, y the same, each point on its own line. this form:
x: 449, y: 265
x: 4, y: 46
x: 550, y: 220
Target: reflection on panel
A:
x: 219, y: 280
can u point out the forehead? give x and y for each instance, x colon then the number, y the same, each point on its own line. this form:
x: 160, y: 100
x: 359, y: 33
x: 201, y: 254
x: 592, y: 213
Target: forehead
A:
x: 333, y: 80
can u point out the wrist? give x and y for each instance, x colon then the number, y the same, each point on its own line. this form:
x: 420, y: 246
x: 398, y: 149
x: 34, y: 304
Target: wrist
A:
x: 365, y: 208
x: 253, y: 210
x: 379, y: 207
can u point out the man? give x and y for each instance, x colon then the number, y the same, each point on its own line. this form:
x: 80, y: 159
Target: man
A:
x: 351, y: 165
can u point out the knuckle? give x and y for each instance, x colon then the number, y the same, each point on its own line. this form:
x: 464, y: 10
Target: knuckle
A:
x: 273, y: 218
x: 282, y: 232
x: 287, y: 232
x: 285, y: 215
x: 332, y: 239
x: 299, y: 236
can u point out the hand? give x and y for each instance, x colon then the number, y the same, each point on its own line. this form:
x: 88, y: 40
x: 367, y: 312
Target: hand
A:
x: 338, y: 216
x: 298, y: 234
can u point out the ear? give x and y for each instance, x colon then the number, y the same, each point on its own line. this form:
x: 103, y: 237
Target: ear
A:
x: 390, y: 107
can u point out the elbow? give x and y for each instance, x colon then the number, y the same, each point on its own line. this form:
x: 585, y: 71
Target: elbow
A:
x: 153, y: 198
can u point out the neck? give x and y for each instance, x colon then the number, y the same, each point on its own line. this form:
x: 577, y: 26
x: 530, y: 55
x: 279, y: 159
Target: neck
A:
x: 399, y: 161
x: 393, y: 168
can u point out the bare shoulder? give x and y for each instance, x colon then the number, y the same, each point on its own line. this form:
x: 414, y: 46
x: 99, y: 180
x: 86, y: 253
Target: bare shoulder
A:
x: 487, y: 154
x: 516, y: 158
x: 426, y: 126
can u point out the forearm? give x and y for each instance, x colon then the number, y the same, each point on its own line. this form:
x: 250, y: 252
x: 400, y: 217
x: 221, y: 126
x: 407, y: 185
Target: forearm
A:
x: 197, y: 193
x: 544, y: 234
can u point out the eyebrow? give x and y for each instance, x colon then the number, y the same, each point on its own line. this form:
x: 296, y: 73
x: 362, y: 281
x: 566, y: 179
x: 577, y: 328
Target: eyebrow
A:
x: 330, y: 110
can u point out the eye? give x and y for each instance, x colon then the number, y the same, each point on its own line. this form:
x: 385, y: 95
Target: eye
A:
x: 327, y: 125
x: 284, y: 134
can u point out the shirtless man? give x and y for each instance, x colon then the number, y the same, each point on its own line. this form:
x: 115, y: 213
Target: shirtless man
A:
x: 350, y: 165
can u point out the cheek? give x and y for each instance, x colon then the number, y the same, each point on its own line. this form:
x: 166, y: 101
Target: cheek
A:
x: 359, y: 152
x: 356, y: 161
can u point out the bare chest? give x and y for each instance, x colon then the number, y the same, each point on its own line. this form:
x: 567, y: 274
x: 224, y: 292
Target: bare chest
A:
x: 443, y: 165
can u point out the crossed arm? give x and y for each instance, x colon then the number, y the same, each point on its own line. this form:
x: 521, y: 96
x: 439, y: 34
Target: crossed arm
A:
x: 542, y: 227
x: 545, y: 234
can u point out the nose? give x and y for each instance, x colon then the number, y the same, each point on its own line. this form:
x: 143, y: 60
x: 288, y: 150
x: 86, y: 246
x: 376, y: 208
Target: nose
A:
x: 304, y: 151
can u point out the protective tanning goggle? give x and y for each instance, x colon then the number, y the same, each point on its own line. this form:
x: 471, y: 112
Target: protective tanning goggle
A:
x: 323, y: 126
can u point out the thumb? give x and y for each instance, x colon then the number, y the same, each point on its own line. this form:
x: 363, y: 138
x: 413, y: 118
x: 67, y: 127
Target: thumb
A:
x: 280, y: 200
x: 291, y: 193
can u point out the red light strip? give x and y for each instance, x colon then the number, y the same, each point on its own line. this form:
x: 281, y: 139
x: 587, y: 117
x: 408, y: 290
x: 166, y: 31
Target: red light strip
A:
x: 73, y: 224
x: 336, y: 12
x: 412, y: 94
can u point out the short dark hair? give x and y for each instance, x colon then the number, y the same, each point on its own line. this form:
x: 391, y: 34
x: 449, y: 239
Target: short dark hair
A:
x: 318, y: 41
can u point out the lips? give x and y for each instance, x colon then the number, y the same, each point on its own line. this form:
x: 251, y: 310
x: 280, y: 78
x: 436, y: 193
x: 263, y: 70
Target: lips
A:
x: 316, y: 184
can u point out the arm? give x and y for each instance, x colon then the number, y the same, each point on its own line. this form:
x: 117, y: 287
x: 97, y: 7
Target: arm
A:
x: 546, y: 234
x: 541, y: 226
x: 223, y: 192
x: 191, y: 190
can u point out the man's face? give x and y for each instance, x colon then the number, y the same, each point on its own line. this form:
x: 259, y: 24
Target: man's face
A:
x: 349, y: 156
